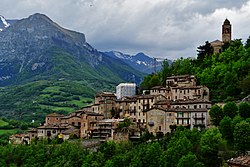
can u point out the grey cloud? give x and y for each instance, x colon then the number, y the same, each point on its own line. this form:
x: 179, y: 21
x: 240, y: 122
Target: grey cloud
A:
x: 160, y: 27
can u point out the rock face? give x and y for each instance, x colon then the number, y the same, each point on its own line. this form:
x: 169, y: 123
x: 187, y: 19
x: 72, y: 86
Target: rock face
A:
x: 36, y: 47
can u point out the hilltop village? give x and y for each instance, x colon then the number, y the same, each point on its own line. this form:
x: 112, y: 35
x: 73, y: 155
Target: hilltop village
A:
x: 125, y: 115
x: 181, y: 103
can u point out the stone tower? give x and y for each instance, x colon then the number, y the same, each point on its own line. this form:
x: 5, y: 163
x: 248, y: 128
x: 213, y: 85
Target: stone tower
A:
x: 226, y: 31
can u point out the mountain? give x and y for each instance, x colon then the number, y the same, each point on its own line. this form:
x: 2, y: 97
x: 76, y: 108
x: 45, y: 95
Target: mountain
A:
x: 45, y: 68
x: 36, y: 48
x: 5, y: 23
x: 140, y: 61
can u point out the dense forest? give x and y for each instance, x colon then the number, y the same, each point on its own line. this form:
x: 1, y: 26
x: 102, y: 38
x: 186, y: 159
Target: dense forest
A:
x: 226, y: 74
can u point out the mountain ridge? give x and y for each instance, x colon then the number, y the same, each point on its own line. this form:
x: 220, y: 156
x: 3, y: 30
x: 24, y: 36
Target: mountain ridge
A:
x: 25, y: 48
x: 139, y: 61
x: 46, y: 68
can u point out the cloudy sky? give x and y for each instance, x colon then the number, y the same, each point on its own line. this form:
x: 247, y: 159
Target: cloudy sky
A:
x: 159, y: 28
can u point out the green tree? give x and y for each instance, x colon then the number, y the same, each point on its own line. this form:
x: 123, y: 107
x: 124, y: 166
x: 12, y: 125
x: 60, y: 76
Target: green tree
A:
x: 244, y: 84
x: 108, y: 148
x: 146, y: 155
x: 150, y: 81
x: 182, y: 66
x: 226, y: 128
x: 189, y: 160
x: 203, y: 51
x: 244, y: 110
x: 165, y: 72
x: 177, y: 148
x: 210, y: 143
x: 216, y: 114
x: 242, y: 136
x: 247, y: 44
x: 231, y: 83
x: 237, y: 119
x: 230, y: 109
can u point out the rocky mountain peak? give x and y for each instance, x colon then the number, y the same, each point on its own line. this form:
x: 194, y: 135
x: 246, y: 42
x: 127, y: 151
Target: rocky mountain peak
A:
x: 3, y: 23
x: 36, y: 46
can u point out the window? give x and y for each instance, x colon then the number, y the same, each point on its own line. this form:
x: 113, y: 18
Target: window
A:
x: 160, y: 128
x: 170, y: 114
x: 49, y: 133
x: 195, y: 106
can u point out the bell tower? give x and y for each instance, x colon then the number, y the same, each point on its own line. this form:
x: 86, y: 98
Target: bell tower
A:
x: 226, y: 31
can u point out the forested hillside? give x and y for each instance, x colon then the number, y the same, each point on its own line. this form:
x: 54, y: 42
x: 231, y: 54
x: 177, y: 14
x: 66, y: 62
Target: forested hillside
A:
x: 226, y: 74
x: 182, y: 148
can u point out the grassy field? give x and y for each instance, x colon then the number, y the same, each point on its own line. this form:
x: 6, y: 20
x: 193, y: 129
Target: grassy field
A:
x: 37, y: 99
x: 9, y: 131
x: 3, y: 123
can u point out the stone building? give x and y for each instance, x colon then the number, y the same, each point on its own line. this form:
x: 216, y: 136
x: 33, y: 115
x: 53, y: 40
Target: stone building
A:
x: 53, y: 118
x: 226, y: 37
x: 104, y: 103
x: 185, y: 100
x: 159, y: 120
x: 89, y: 121
x: 79, y: 123
x: 184, y: 87
x: 106, y: 129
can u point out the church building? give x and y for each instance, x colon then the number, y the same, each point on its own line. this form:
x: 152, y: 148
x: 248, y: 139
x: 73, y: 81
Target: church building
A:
x: 226, y: 37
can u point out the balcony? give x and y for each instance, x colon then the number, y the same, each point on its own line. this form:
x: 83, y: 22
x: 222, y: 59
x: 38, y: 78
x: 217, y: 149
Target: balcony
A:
x: 198, y: 117
x: 182, y: 117
x: 199, y: 124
